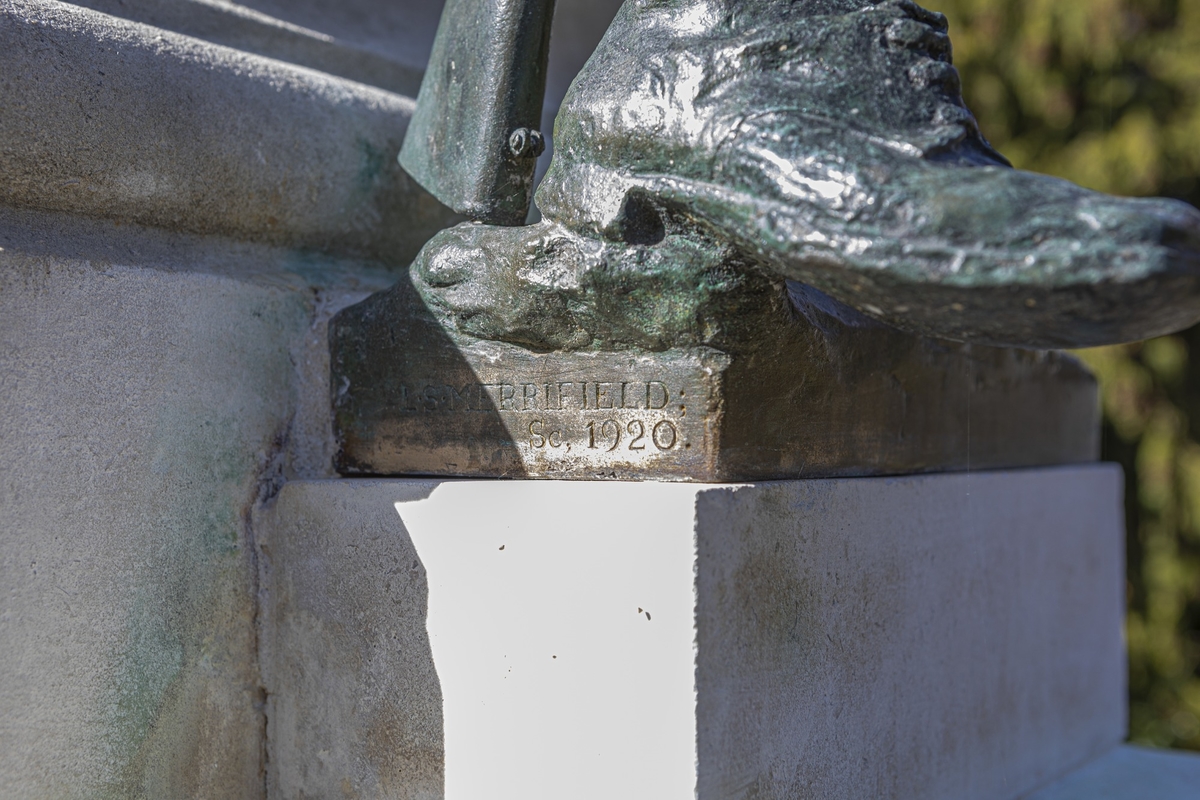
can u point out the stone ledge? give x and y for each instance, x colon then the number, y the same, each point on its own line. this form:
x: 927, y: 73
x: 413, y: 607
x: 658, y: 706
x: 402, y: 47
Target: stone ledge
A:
x: 244, y: 28
x: 109, y: 118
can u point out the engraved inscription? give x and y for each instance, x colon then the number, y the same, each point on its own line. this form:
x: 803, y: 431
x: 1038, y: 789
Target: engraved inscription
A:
x: 540, y: 436
x: 638, y: 430
x: 665, y: 435
x: 605, y: 435
x: 604, y: 419
x: 536, y: 438
x: 434, y: 397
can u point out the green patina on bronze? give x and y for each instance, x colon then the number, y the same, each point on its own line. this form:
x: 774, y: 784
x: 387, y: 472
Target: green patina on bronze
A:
x: 713, y: 153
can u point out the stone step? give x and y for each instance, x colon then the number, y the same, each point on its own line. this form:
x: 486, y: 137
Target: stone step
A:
x: 248, y: 29
x: 110, y: 118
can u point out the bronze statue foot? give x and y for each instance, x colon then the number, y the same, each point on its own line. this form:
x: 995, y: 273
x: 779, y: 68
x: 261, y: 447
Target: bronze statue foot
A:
x: 827, y: 142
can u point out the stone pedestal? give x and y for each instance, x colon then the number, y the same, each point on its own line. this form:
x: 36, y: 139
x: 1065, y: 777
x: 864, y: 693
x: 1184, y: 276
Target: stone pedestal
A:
x: 943, y: 636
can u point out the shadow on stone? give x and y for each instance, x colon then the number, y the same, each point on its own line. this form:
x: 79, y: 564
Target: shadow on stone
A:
x: 400, y: 384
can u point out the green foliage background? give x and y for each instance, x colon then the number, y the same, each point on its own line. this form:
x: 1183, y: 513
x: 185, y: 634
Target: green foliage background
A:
x: 1107, y: 94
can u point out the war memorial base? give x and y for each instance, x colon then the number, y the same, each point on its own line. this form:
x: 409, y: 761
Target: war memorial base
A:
x: 939, y: 636
x: 192, y: 606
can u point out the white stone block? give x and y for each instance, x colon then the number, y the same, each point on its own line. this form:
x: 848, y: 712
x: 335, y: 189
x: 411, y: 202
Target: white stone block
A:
x: 945, y: 636
x: 561, y: 617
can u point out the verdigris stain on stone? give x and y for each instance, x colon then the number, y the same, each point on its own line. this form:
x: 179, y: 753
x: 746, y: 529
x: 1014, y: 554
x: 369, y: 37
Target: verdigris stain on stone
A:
x: 762, y: 207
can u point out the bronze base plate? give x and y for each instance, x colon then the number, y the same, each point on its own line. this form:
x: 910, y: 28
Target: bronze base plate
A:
x: 825, y: 393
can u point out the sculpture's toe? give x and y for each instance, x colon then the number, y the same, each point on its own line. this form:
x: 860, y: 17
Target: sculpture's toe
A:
x: 1158, y: 222
x: 986, y: 254
x: 1078, y: 270
x: 1016, y: 258
x: 1028, y: 260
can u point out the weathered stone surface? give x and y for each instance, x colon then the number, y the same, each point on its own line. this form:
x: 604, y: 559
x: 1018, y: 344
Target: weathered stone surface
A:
x: 354, y: 702
x: 943, y: 636
x: 245, y: 28
x: 964, y: 631
x: 155, y: 388
x: 94, y: 124
x: 742, y: 381
x: 381, y: 44
x: 400, y: 31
